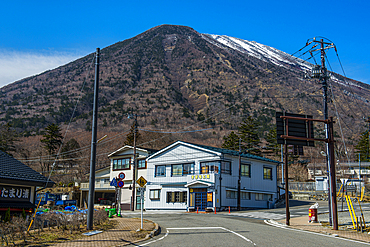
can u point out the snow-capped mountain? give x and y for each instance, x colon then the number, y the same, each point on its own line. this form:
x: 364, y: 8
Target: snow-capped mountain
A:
x: 260, y: 51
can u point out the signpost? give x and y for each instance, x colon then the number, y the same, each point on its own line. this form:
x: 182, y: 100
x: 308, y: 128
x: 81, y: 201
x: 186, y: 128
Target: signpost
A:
x: 121, y: 176
x: 142, y: 182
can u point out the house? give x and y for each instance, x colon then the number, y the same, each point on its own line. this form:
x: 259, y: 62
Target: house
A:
x: 121, y: 165
x: 188, y: 176
x: 359, y: 170
x: 18, y: 185
x: 105, y: 194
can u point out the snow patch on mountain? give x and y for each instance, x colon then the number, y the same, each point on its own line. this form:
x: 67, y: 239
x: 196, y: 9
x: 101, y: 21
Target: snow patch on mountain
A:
x: 263, y: 52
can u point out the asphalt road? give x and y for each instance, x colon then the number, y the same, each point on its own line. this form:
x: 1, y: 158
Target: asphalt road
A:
x: 245, y: 228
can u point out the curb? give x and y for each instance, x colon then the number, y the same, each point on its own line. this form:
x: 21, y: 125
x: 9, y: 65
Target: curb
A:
x: 153, y: 232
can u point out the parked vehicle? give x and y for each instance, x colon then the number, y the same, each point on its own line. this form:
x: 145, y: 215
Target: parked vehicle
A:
x: 55, y: 199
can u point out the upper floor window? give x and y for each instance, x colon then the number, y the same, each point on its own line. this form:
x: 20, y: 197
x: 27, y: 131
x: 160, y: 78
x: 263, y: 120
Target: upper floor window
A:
x: 160, y: 171
x: 121, y: 164
x: 226, y: 167
x: 141, y: 164
x: 209, y: 167
x: 245, y: 170
x: 267, y: 173
x: 182, y: 169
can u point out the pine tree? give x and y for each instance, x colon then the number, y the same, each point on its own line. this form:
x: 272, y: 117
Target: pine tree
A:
x: 250, y: 140
x: 272, y: 145
x: 130, y: 136
x: 231, y: 141
x: 7, y: 138
x: 363, y: 146
x: 52, y: 140
x: 70, y: 150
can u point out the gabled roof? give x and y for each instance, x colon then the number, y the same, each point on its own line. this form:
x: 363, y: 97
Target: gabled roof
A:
x: 147, y: 150
x: 214, y: 150
x: 236, y: 153
x: 12, y: 169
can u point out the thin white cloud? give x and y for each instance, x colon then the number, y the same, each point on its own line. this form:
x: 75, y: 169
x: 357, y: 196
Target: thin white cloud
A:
x: 16, y: 65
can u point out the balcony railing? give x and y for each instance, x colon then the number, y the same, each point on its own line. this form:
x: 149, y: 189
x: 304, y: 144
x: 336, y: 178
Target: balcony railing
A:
x: 365, y: 172
x: 350, y: 172
x: 97, y: 186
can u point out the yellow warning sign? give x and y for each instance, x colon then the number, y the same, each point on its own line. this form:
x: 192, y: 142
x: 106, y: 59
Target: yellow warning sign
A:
x: 141, y: 181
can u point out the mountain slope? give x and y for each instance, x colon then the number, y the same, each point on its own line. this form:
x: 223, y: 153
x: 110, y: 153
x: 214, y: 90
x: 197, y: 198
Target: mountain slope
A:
x: 174, y: 77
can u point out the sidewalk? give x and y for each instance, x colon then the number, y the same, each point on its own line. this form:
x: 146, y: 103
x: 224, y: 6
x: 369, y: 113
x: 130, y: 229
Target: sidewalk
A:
x: 124, y: 234
x: 302, y: 224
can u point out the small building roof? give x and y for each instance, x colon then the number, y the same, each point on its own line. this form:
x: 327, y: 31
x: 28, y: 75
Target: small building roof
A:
x: 12, y: 170
x: 127, y: 147
x: 215, y: 150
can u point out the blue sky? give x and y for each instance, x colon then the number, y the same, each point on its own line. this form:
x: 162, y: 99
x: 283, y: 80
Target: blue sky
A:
x: 39, y: 35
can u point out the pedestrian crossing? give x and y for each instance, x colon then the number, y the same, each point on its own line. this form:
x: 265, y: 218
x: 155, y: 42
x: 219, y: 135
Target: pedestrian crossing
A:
x: 151, y: 212
x: 254, y: 214
x: 261, y: 215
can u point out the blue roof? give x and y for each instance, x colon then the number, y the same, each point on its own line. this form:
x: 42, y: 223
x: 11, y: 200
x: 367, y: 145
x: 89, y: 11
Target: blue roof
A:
x: 13, y: 169
x: 235, y: 153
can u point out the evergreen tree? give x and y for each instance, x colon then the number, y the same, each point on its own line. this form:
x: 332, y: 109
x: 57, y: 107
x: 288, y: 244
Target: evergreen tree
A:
x: 250, y: 140
x: 7, y: 138
x: 231, y: 141
x: 130, y: 136
x: 272, y: 145
x: 70, y: 151
x: 363, y: 146
x: 52, y: 139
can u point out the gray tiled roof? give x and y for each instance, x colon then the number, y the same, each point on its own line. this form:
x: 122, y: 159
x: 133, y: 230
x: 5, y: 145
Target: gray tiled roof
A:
x: 13, y: 169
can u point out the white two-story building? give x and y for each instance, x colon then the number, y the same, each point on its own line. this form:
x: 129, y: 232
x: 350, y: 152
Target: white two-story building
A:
x: 189, y: 176
x: 121, y: 163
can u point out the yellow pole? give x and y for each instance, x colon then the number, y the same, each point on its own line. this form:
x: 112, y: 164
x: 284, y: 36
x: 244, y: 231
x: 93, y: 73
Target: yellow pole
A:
x: 353, y: 210
x: 339, y: 190
x: 362, y: 214
x: 350, y: 210
x: 362, y: 193
x: 33, y: 217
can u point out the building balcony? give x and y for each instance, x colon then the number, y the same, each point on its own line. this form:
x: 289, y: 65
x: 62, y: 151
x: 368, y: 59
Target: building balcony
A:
x: 349, y: 172
x: 365, y: 172
x: 85, y: 186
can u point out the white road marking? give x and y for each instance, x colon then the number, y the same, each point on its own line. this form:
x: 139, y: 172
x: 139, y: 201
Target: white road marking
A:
x: 216, y: 227
x: 155, y: 240
x: 261, y: 215
x: 275, y: 224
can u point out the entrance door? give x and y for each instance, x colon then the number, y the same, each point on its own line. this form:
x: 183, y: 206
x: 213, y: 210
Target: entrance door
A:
x: 201, y: 200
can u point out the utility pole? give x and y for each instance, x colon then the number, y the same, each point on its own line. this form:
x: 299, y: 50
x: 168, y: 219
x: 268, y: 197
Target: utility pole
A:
x: 321, y: 73
x: 90, y: 211
x: 368, y: 133
x: 287, y: 213
x: 133, y: 198
x: 240, y: 178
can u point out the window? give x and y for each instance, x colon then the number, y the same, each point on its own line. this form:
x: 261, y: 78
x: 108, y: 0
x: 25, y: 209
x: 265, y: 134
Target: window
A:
x: 226, y: 167
x: 245, y: 195
x: 263, y: 197
x: 160, y: 171
x: 231, y: 194
x: 121, y: 164
x: 245, y: 170
x: 106, y: 180
x: 182, y: 169
x: 141, y: 164
x: 155, y: 194
x: 209, y: 167
x: 177, y: 196
x: 259, y: 197
x: 267, y: 173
